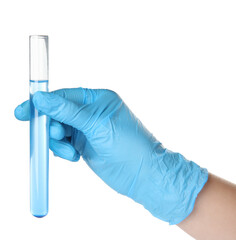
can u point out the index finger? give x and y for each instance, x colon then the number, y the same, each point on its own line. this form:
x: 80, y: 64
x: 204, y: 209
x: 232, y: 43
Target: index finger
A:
x: 76, y: 95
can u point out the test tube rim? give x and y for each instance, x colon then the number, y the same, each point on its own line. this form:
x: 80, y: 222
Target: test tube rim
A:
x: 38, y: 36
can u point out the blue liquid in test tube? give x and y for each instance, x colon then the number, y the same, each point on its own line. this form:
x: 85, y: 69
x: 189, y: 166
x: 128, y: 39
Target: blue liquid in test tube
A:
x: 39, y: 127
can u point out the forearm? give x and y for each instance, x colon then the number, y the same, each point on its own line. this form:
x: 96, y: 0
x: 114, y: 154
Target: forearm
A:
x: 214, y: 213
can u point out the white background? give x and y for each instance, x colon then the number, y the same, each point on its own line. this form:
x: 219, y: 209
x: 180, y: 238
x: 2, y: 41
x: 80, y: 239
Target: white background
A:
x: 172, y: 62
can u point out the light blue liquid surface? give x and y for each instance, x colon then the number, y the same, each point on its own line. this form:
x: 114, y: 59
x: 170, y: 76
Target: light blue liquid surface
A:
x: 39, y: 151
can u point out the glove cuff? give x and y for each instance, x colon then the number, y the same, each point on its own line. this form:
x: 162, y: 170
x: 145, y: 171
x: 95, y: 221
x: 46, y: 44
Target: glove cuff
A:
x: 168, y: 185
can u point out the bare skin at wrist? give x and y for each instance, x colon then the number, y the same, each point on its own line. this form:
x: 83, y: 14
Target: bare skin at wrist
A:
x: 214, y: 213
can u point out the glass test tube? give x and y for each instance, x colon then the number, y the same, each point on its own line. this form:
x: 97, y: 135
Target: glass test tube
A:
x: 39, y: 127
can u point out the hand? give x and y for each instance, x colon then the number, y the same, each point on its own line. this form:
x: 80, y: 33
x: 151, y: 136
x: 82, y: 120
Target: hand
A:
x: 97, y: 125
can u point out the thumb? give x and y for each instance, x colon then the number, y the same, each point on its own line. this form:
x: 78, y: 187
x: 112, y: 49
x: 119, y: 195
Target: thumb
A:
x: 62, y: 110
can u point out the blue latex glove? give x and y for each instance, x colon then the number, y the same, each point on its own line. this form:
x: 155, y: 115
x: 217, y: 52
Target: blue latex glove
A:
x: 97, y: 125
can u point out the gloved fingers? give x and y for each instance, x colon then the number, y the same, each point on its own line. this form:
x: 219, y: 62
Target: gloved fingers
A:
x: 83, y: 117
x: 68, y: 130
x: 80, y: 95
x: 97, y: 105
x: 22, y: 111
x: 64, y: 149
x: 57, y: 130
x: 61, y: 109
x: 76, y: 95
x: 51, y: 104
